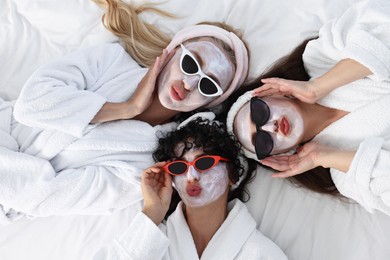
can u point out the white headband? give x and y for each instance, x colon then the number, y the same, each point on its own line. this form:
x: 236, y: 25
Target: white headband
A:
x: 234, y: 42
x: 203, y: 115
x: 241, y: 101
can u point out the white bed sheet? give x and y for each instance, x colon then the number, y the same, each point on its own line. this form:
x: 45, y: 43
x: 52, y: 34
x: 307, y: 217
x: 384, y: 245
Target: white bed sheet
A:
x: 303, y: 224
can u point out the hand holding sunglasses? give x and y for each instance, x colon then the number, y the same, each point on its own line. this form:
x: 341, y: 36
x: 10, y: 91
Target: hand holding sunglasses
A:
x: 201, y: 164
x: 157, y: 192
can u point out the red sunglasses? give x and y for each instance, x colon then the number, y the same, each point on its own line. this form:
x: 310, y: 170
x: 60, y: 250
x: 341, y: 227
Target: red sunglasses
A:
x: 202, y: 163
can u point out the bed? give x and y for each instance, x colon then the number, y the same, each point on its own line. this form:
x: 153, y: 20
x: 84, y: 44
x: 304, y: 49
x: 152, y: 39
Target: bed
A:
x: 305, y: 225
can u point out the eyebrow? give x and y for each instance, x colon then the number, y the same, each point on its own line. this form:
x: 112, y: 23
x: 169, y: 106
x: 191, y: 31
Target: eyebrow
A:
x: 200, y: 61
x: 196, y: 157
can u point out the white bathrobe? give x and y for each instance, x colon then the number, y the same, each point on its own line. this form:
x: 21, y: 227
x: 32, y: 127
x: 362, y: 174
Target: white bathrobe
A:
x: 362, y: 34
x: 51, y: 160
x: 237, y: 238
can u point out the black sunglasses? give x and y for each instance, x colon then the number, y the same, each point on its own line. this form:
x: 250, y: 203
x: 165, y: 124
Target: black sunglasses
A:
x: 260, y: 114
x: 190, y: 66
x: 201, y: 164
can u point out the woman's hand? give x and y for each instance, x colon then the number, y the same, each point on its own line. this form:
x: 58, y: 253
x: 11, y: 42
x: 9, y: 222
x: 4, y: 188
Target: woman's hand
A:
x: 309, y: 156
x: 141, y: 98
x: 342, y: 73
x: 156, y: 188
x: 289, y: 165
x: 302, y: 90
x: 143, y: 95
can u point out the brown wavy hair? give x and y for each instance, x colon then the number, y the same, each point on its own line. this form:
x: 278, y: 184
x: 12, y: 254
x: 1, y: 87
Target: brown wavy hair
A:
x: 292, y: 67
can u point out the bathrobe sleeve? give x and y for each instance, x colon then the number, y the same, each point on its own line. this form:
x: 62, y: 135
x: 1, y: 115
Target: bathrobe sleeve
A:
x: 31, y: 185
x: 368, y: 178
x: 66, y: 94
x: 142, y: 240
x: 361, y: 34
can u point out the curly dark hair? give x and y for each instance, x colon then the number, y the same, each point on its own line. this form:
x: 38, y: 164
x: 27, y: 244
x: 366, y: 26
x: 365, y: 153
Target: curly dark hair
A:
x: 214, y: 139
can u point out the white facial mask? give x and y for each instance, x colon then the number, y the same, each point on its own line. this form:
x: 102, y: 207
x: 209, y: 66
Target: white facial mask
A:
x: 178, y: 91
x: 210, y: 185
x: 198, y: 189
x: 282, y: 110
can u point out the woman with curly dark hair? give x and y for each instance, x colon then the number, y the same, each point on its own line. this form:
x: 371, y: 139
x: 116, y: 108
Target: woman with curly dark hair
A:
x: 204, y: 163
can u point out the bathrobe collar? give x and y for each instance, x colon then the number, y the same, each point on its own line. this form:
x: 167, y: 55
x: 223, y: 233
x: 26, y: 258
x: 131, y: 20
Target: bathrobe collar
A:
x: 349, y: 131
x: 231, y: 236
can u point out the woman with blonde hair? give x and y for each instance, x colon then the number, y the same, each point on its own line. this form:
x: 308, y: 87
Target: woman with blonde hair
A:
x: 65, y: 147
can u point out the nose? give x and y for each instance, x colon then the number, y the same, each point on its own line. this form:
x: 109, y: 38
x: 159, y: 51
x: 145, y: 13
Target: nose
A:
x: 270, y: 126
x: 191, y: 82
x: 192, y: 174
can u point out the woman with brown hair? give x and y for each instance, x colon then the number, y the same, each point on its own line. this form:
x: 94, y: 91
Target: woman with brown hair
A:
x: 331, y: 134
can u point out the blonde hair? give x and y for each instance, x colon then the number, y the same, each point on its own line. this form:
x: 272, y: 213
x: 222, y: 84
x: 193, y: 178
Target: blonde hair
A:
x: 143, y: 41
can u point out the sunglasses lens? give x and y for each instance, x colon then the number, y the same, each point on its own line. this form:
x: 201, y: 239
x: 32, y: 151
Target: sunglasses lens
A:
x: 177, y: 168
x: 207, y: 86
x: 188, y: 65
x: 263, y: 144
x: 204, y: 163
x: 259, y: 112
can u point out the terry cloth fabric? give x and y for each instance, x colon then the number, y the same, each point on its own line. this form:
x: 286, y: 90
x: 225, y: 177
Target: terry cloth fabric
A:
x: 362, y: 34
x: 237, y: 238
x: 52, y: 161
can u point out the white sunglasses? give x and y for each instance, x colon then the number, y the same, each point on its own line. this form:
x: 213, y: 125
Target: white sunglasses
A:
x: 190, y: 66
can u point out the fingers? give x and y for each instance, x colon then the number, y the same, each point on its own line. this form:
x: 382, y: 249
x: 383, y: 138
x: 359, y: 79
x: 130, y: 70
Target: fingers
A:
x: 285, y: 174
x: 276, y: 81
x: 288, y: 165
x: 159, y: 64
x: 162, y: 60
x: 286, y: 86
x: 167, y: 180
x: 273, y: 86
x: 166, y: 57
x: 279, y: 163
x: 265, y: 90
x: 154, y: 171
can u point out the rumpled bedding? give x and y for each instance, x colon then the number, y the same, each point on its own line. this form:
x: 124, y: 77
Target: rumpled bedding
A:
x: 303, y: 224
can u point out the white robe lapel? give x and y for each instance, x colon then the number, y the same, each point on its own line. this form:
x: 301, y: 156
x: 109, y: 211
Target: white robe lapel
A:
x: 225, y: 244
x: 232, y: 235
x: 181, y: 244
x: 371, y: 120
x: 348, y: 132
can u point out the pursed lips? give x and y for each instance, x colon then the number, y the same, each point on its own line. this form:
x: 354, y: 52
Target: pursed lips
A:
x: 193, y: 190
x: 178, y: 93
x: 284, y: 126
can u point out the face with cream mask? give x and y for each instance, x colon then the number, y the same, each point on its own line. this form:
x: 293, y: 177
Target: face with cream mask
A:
x: 200, y: 188
x: 282, y: 127
x: 178, y: 90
